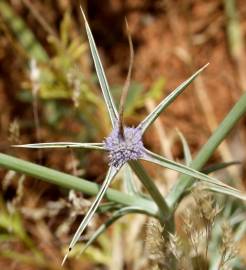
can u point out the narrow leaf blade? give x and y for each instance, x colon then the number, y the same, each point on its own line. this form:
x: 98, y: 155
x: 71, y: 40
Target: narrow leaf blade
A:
x: 167, y: 101
x: 219, y: 166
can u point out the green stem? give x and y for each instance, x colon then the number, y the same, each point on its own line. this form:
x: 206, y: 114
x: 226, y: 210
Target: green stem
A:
x: 238, y: 110
x: 72, y: 182
x: 164, y: 210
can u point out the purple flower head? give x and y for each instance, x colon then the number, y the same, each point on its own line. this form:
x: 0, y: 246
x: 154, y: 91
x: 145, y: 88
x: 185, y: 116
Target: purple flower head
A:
x: 120, y: 150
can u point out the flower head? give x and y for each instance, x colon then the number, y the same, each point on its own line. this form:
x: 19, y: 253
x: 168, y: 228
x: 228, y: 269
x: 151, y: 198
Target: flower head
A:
x: 124, y: 148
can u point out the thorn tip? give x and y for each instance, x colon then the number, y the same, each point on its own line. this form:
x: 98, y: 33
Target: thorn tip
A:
x: 83, y: 14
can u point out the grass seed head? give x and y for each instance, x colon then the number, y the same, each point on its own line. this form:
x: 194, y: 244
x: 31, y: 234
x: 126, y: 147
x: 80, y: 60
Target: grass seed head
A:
x: 228, y: 248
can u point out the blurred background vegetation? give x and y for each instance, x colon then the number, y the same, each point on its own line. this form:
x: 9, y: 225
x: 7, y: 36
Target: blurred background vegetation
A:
x: 49, y: 92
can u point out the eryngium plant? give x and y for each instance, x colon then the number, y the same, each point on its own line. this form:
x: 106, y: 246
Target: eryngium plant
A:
x: 124, y: 146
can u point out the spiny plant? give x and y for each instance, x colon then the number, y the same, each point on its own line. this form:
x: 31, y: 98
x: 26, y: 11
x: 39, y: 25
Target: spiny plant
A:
x: 124, y: 147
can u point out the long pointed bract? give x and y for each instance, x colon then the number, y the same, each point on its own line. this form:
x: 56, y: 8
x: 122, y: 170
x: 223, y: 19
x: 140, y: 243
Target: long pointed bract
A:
x: 101, y: 75
x: 167, y: 101
x: 225, y: 189
x: 109, y: 177
x: 98, y: 146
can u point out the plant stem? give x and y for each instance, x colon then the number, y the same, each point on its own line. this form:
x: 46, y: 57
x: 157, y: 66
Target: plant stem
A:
x: 184, y: 182
x: 164, y: 210
x: 71, y: 182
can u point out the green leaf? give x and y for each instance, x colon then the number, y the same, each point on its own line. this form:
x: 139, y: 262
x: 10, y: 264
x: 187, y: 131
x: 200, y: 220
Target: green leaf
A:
x: 97, y: 146
x: 167, y: 101
x: 101, y: 75
x: 71, y: 182
x: 219, y: 166
x: 109, y: 177
x: 185, y: 182
x: 213, y: 183
x: 164, y: 210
